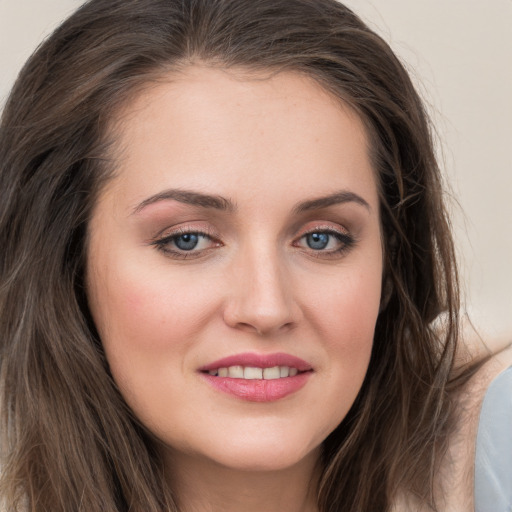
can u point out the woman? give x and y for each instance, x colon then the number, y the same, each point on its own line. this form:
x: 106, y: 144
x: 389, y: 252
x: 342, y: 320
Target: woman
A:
x: 228, y: 281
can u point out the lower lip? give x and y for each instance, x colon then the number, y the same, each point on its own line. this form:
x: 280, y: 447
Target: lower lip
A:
x: 259, y: 390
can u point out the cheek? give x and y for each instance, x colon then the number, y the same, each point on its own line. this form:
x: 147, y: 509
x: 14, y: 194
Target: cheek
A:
x: 345, y: 309
x: 145, y: 319
x: 345, y: 319
x: 148, y: 324
x: 354, y: 321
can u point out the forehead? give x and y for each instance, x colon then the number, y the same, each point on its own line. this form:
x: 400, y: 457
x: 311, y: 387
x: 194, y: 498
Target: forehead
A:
x: 224, y: 129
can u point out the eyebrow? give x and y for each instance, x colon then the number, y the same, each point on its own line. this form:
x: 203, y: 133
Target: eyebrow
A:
x: 188, y: 197
x: 341, y: 197
x: 221, y: 203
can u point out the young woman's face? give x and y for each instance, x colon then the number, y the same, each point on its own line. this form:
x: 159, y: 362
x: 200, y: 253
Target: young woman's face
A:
x: 235, y: 265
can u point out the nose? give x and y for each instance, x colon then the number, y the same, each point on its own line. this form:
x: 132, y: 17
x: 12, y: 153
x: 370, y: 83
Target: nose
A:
x: 262, y: 298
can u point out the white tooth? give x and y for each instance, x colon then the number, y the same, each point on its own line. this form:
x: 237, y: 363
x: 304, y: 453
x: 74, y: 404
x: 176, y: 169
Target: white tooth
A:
x: 236, y: 372
x: 252, y: 373
x: 212, y: 372
x: 293, y: 372
x: 271, y: 373
x: 223, y: 372
x: 284, y: 371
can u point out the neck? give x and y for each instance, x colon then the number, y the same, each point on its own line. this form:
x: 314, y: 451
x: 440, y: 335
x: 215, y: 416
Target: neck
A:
x: 205, y: 486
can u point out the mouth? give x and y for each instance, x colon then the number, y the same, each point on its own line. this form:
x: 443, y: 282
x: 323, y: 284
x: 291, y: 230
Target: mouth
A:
x: 254, y: 373
x: 258, y: 377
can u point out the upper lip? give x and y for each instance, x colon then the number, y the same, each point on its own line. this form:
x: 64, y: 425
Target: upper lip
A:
x: 259, y: 361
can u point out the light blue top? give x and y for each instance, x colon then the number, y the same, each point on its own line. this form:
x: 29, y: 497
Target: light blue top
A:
x: 493, y: 462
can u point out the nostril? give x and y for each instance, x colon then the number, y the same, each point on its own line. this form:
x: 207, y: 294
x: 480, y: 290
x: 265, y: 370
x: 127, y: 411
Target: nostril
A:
x: 261, y: 313
x: 264, y: 328
x: 249, y: 328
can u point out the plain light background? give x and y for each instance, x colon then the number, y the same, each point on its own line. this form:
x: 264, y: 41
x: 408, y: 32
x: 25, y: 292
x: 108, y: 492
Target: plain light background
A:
x: 459, y: 53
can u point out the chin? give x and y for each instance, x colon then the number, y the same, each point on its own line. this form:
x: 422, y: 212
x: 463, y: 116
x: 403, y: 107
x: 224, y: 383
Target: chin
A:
x: 264, y: 460
x: 252, y: 452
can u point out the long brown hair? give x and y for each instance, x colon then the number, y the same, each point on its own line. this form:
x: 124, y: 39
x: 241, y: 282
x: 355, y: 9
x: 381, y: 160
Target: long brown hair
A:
x: 69, y: 442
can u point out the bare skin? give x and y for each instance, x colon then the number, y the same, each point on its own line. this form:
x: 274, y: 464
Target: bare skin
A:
x: 252, y: 284
x: 455, y: 479
x: 199, y: 486
x: 253, y: 172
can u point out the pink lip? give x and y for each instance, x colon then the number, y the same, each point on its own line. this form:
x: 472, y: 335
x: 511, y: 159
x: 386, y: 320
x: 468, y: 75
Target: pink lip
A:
x: 259, y: 390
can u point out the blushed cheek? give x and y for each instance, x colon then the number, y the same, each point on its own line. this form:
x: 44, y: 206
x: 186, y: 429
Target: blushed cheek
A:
x: 353, y: 307
x: 136, y: 332
x: 351, y: 322
x: 146, y: 315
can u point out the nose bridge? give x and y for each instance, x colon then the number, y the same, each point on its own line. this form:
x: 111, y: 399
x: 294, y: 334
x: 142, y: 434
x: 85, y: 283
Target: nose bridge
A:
x: 262, y: 298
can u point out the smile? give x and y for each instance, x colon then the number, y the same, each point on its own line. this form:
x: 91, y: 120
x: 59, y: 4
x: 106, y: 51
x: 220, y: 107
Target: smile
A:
x: 254, y: 373
x: 258, y: 377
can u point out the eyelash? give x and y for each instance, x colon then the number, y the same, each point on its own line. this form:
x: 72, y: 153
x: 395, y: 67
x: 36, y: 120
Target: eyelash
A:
x: 162, y: 244
x: 346, y: 241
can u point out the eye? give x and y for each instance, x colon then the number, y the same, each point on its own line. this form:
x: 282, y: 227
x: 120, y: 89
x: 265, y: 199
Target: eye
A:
x: 189, y: 241
x: 318, y: 241
x: 326, y: 241
x: 185, y: 244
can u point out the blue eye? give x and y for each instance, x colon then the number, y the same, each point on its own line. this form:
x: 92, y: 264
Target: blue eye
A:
x: 186, y: 244
x: 187, y: 241
x: 317, y: 241
x: 326, y: 242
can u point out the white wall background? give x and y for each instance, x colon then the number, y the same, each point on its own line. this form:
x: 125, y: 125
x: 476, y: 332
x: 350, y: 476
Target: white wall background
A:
x: 460, y: 54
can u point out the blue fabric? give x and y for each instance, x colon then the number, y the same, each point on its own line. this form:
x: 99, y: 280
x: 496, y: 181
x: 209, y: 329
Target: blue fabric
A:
x: 493, y: 461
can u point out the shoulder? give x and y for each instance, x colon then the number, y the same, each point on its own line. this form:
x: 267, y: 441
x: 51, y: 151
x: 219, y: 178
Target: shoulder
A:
x: 475, y: 414
x: 493, y: 452
x: 482, y: 405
